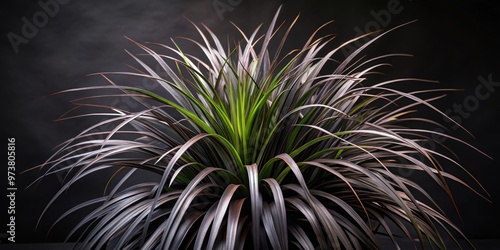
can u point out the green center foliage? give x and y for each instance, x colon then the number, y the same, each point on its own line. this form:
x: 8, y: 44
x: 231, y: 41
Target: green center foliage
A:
x: 256, y: 149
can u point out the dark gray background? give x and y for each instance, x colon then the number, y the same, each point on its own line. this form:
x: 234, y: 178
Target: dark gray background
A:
x: 453, y: 43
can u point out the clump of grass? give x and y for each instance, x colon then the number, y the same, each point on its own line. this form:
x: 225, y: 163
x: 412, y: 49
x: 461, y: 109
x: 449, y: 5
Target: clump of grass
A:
x: 255, y: 148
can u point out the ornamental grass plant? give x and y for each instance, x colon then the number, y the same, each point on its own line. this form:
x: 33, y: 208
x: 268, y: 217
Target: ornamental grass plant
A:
x: 256, y: 148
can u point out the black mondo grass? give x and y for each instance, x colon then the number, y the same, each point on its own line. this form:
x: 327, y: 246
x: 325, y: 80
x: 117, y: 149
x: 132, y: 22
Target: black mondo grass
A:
x: 257, y: 149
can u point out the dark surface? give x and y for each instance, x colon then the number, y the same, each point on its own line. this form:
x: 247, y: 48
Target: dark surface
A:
x: 484, y: 244
x: 453, y: 43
